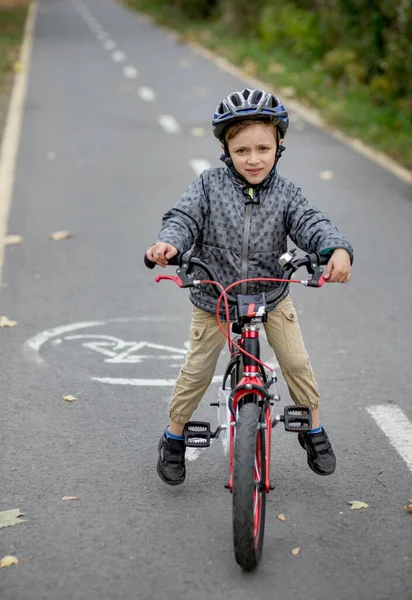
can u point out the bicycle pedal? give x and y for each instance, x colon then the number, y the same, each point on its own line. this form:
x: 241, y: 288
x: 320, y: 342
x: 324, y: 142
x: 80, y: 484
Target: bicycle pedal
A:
x: 197, y: 434
x: 297, y: 418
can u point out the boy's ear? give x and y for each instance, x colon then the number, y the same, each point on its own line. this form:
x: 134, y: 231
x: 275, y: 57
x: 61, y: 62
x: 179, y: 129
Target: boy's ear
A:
x: 223, y: 147
x: 281, y: 142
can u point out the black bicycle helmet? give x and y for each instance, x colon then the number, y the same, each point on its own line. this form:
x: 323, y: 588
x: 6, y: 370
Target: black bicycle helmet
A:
x: 248, y: 104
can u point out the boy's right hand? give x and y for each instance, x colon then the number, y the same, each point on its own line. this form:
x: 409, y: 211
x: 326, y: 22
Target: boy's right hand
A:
x: 161, y: 253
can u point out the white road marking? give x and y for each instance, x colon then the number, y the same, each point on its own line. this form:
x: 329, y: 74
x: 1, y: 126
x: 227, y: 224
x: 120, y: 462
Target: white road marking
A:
x: 130, y: 72
x: 121, y: 352
x: 169, y: 124
x: 102, y: 35
x: 199, y: 165
x: 144, y: 382
x: 11, y: 135
x: 397, y: 427
x: 146, y: 93
x: 118, y: 56
x: 193, y: 453
x: 31, y: 349
x: 87, y: 16
x: 110, y: 44
x: 32, y: 346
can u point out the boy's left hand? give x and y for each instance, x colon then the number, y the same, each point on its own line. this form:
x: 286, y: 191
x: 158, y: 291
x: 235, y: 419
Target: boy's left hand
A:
x: 338, y: 268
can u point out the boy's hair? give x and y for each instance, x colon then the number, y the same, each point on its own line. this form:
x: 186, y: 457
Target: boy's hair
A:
x: 233, y: 130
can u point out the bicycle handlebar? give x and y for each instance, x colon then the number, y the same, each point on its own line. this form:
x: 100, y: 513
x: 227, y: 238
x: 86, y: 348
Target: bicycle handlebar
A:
x: 174, y: 261
x: 185, y: 278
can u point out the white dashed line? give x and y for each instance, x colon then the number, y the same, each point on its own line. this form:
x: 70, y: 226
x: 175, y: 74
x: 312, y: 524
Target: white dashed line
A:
x: 169, y: 124
x: 110, y: 45
x: 130, y: 72
x: 199, y: 165
x: 397, y: 427
x: 118, y: 56
x: 102, y: 35
x: 146, y: 93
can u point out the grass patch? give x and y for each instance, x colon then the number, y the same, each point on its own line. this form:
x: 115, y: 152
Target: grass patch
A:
x: 384, y: 126
x: 12, y: 21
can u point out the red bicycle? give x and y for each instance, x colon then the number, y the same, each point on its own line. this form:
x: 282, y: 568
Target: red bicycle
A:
x: 245, y: 404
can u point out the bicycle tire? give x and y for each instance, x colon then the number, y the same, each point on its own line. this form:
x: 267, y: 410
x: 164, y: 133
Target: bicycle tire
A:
x: 249, y: 494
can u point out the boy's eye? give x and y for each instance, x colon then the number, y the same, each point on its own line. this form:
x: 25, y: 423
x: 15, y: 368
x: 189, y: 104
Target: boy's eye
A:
x: 240, y: 151
x: 264, y: 148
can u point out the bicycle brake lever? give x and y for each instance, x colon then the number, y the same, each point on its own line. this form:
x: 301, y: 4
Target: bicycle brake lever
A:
x: 317, y: 280
x: 177, y: 280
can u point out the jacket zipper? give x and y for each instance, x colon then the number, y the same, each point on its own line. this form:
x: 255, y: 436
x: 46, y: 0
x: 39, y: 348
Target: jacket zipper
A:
x: 245, y: 241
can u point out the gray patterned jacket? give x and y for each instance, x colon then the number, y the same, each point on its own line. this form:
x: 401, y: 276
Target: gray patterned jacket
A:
x: 241, y: 232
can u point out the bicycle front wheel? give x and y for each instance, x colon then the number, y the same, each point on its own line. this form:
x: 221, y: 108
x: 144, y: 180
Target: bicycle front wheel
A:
x: 249, y: 493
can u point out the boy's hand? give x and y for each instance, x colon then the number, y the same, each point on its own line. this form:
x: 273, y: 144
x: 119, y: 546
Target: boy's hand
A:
x: 338, y: 268
x: 161, y: 253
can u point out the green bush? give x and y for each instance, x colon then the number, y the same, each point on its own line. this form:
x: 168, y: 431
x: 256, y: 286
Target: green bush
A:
x: 295, y: 29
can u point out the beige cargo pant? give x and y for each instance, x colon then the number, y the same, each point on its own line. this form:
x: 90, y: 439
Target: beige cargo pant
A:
x: 207, y: 341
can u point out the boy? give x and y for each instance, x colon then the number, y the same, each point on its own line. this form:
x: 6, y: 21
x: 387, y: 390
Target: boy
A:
x: 237, y: 219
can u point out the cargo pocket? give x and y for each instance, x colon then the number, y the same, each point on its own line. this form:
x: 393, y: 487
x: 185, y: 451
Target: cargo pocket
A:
x: 197, y: 348
x: 293, y: 334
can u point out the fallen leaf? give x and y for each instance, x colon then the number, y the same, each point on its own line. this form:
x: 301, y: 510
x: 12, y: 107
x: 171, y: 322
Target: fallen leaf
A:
x: 276, y: 68
x: 326, y: 175
x: 69, y: 398
x: 356, y: 504
x: 57, y: 236
x: 5, y: 322
x: 198, y: 131
x: 185, y: 63
x: 296, y: 551
x: 10, y: 517
x: 343, y: 352
x: 7, y: 561
x: 408, y: 507
x: 10, y: 240
x: 70, y: 498
x: 282, y: 517
x: 288, y: 92
x: 126, y: 88
x: 18, y: 66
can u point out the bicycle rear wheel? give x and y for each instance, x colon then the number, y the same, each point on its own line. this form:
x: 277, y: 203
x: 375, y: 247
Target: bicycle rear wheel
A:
x: 249, y: 493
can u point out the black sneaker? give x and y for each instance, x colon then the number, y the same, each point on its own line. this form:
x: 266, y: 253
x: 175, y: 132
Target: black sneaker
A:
x: 171, y: 462
x: 321, y: 457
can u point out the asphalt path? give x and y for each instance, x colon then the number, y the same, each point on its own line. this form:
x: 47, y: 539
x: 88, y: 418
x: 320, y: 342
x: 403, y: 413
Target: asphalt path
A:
x: 113, y: 133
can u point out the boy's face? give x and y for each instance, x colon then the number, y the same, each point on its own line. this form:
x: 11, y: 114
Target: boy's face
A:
x: 253, y: 152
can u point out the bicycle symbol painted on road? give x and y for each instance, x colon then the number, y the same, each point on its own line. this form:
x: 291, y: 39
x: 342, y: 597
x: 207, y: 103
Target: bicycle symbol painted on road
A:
x: 113, y: 349
x: 118, y: 351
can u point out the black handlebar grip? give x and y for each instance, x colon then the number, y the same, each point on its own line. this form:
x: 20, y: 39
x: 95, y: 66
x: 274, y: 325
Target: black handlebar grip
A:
x: 173, y: 262
x: 149, y: 263
x: 324, y: 259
